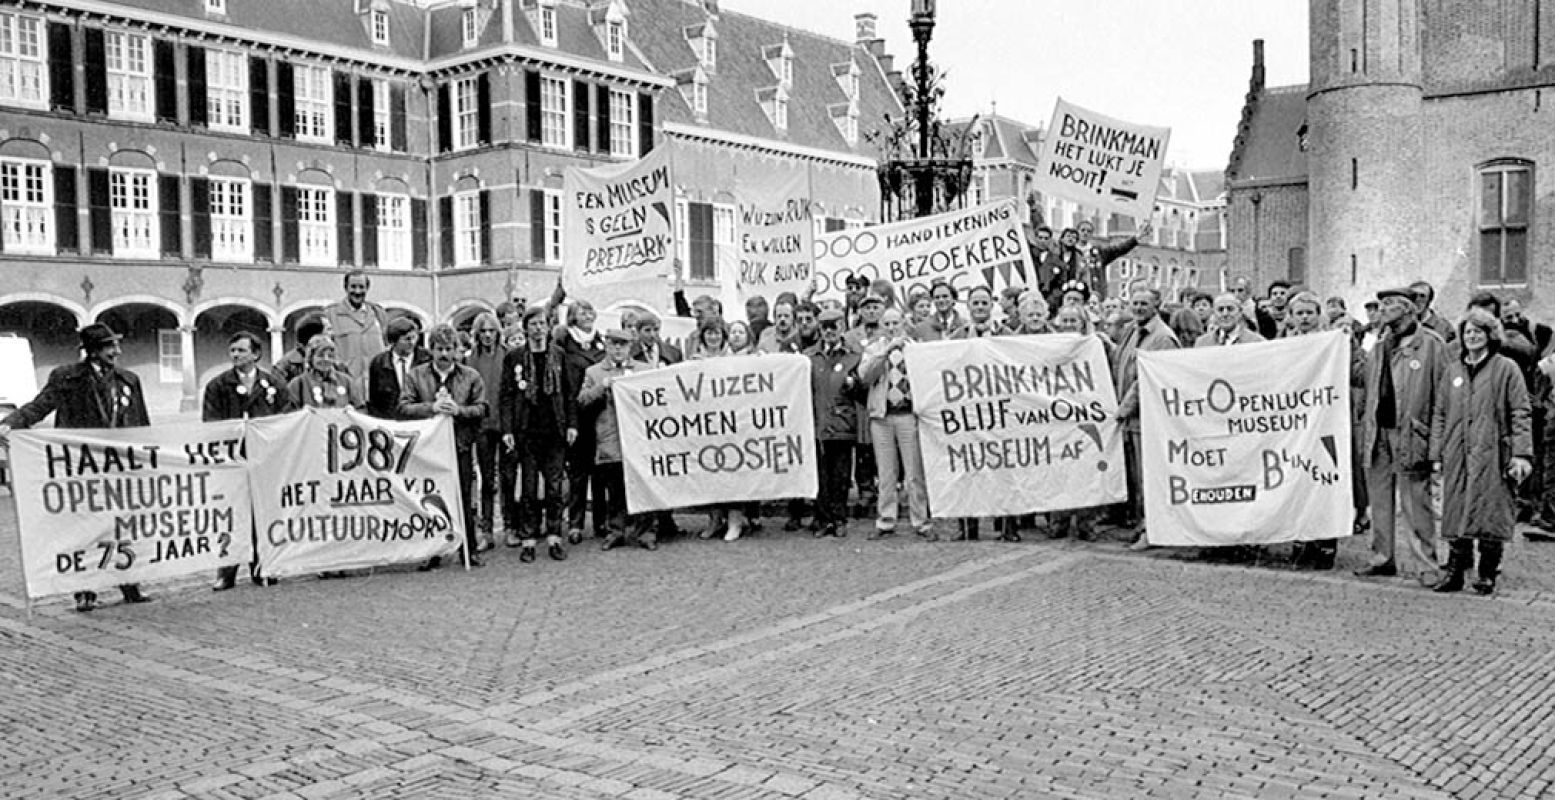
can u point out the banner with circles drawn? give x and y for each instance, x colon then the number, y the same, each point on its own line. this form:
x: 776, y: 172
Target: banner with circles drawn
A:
x: 981, y: 246
x: 719, y: 430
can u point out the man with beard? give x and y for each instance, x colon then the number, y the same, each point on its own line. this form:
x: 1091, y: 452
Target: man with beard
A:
x: 446, y: 387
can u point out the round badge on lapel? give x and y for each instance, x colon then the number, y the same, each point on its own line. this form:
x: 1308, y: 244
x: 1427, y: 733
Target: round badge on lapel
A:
x: 1458, y: 381
x: 1414, y: 363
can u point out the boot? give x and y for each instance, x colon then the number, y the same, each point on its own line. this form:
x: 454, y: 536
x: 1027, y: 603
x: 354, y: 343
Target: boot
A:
x: 1489, y: 566
x: 226, y: 578
x: 1458, y: 561
x: 132, y: 593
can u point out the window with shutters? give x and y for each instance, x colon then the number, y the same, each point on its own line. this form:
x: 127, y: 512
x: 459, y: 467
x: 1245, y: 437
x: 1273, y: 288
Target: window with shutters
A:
x: 129, y: 76
x: 467, y: 229
x: 380, y: 20
x: 623, y: 124
x: 470, y: 28
x: 132, y: 200
x: 683, y: 230
x: 723, y: 237
x: 314, y: 100
x: 554, y: 130
x: 23, y: 77
x: 232, y: 220
x: 383, y: 110
x: 553, y: 226
x: 226, y: 90
x: 466, y: 114
x: 316, y: 226
x: 26, y: 206
x: 394, y: 231
x: 548, y: 26
x: 1505, y: 208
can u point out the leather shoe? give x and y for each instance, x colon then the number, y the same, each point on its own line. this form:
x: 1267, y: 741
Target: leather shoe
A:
x: 557, y: 552
x: 432, y: 563
x: 1010, y: 536
x: 225, y: 582
x: 575, y: 536
x: 527, y: 555
x: 649, y: 545
x: 610, y: 542
x: 1383, y: 570
x: 132, y: 593
x: 86, y: 601
x: 791, y: 525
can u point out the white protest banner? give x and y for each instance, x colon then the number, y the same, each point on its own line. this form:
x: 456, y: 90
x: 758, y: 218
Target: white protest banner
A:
x: 718, y: 430
x: 1237, y: 452
x: 98, y: 508
x: 617, y: 230
x: 971, y: 247
x: 335, y: 489
x: 1016, y: 425
x: 1102, y: 162
x: 775, y: 231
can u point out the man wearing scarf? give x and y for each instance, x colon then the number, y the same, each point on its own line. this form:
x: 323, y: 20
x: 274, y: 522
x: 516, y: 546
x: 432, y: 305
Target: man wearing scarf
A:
x: 1401, y: 375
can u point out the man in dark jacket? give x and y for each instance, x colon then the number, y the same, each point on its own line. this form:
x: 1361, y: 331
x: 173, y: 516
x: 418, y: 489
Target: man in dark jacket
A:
x: 242, y: 392
x: 835, y: 390
x: 539, y: 421
x: 387, y: 372
x: 581, y: 347
x: 650, y: 348
x: 91, y: 393
x: 295, y: 361
x: 497, y: 467
x: 446, y: 387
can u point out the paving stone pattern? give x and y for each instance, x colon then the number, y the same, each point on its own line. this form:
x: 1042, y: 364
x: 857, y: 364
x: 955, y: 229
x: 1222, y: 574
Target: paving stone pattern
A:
x: 782, y: 666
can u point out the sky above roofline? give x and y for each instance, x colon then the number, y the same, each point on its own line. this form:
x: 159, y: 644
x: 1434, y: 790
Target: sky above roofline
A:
x: 1178, y: 63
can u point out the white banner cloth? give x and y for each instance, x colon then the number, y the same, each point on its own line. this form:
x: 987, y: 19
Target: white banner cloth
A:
x: 1016, y: 425
x: 618, y: 234
x: 971, y: 247
x: 1102, y: 162
x: 1247, y: 443
x: 775, y: 232
x: 335, y: 489
x: 98, y: 508
x: 719, y: 430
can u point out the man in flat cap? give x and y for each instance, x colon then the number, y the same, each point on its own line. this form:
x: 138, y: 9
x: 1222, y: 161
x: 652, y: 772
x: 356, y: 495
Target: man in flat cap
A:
x: 598, y: 401
x: 91, y: 393
x: 1400, y: 374
x: 835, y: 391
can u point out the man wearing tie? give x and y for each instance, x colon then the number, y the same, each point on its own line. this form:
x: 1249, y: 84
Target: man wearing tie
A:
x: 387, y: 373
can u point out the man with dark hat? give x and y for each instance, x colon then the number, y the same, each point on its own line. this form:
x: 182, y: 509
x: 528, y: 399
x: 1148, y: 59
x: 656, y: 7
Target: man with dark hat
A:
x: 835, y: 391
x: 1401, y: 375
x: 856, y: 288
x: 609, y: 478
x: 91, y: 393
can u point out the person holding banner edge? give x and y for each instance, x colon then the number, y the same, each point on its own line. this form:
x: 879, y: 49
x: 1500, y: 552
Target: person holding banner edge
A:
x: 91, y: 393
x: 244, y: 391
x: 446, y: 387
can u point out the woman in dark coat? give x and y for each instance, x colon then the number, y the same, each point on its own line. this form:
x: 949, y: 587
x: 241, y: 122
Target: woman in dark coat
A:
x: 1482, y: 437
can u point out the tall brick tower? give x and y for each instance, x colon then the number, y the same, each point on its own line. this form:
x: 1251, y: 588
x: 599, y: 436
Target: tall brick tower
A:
x: 1365, y: 145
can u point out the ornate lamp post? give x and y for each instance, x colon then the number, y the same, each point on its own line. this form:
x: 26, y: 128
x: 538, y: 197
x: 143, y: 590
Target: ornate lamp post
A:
x: 923, y: 171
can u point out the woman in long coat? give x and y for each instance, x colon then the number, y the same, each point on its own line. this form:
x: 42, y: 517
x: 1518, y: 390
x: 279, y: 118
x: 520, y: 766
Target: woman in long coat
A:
x: 1481, y: 435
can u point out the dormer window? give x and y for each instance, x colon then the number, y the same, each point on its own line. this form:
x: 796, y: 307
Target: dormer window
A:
x: 847, y: 76
x: 704, y: 42
x: 845, y: 117
x: 699, y: 98
x: 693, y: 87
x: 615, y: 39
x: 780, y: 59
x: 470, y: 27
x: 609, y: 23
x: 215, y: 6
x: 774, y: 101
x: 380, y: 26
x: 548, y: 25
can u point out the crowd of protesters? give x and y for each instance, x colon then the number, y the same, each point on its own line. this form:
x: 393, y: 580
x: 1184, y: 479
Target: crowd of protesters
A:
x: 1463, y: 407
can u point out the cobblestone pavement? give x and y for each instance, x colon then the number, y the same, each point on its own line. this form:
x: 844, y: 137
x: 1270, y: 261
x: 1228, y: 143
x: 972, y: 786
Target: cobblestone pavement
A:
x: 782, y: 666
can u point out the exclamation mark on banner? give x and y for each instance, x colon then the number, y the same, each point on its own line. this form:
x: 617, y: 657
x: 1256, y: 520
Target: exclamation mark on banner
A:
x: 1090, y: 429
x: 1333, y: 451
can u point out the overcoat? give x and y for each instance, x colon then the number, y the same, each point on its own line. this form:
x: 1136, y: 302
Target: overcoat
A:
x: 1481, y: 422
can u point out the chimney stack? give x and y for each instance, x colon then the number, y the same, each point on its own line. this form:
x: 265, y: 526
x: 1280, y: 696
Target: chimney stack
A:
x: 864, y: 27
x: 1258, y: 71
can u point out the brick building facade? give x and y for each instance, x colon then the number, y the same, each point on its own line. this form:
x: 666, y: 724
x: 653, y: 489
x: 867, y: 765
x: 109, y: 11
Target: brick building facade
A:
x: 184, y: 169
x: 1414, y: 152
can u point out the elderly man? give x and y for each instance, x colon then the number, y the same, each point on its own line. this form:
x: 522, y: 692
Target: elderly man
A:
x: 357, y: 326
x: 444, y: 387
x: 1424, y: 295
x: 1227, y: 324
x: 835, y: 390
x: 1400, y: 376
x: 1147, y: 333
x: 609, y: 475
x: 91, y: 393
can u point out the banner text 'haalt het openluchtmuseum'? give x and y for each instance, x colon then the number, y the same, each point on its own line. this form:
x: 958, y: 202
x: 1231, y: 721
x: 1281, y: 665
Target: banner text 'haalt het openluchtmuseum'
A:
x: 617, y: 232
x: 97, y: 508
x: 336, y: 489
x: 775, y: 231
x: 980, y: 246
x: 1102, y: 162
x: 717, y: 430
x: 1016, y: 425
x: 1237, y: 452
